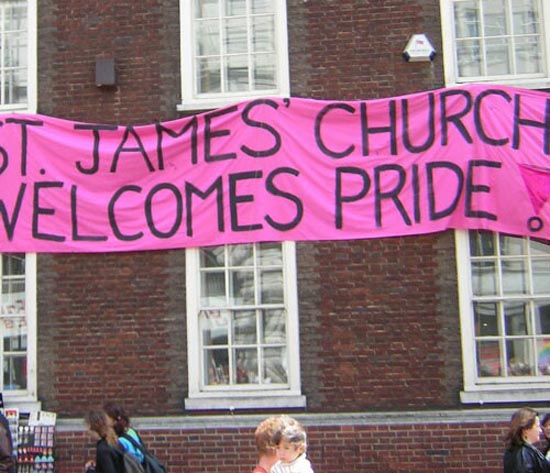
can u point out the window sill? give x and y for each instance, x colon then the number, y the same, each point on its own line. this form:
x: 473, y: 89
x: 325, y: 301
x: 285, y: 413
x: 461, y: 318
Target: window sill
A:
x: 225, y: 402
x: 536, y: 83
x: 520, y: 394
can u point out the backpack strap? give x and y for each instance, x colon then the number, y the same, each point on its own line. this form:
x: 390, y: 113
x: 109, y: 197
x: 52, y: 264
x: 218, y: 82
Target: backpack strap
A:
x: 138, y: 445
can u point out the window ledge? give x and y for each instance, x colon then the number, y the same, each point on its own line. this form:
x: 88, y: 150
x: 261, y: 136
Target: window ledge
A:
x: 536, y: 83
x: 225, y: 402
x: 523, y: 394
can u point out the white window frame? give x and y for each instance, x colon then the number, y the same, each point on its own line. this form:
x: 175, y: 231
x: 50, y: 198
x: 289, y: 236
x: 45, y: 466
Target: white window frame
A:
x: 449, y: 52
x: 500, y: 391
x: 245, y: 397
x: 191, y: 101
x: 26, y: 399
x: 31, y: 105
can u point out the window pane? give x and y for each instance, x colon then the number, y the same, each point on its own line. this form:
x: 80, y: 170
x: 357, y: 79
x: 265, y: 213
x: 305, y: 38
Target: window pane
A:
x: 237, y: 73
x: 543, y: 357
x: 213, y: 257
x: 467, y: 22
x: 488, y: 359
x: 13, y: 264
x: 498, y: 57
x: 270, y: 254
x: 528, y: 55
x: 214, y: 325
x: 513, y: 277
x: 209, y: 73
x: 15, y: 372
x: 486, y: 321
x: 512, y: 246
x: 525, y: 17
x: 482, y: 243
x: 274, y: 330
x: 469, y: 58
x: 263, y: 34
x: 213, y: 289
x: 217, y: 362
x: 274, y: 366
x: 271, y: 287
x: 241, y: 255
x: 206, y: 8
x: 542, y: 317
x: 242, y: 287
x: 235, y: 7
x: 247, y: 366
x: 244, y: 326
x: 516, y: 318
x: 541, y: 276
x: 235, y: 38
x: 261, y: 6
x: 519, y: 356
x: 484, y: 279
x: 207, y: 41
x: 264, y: 71
x: 494, y: 18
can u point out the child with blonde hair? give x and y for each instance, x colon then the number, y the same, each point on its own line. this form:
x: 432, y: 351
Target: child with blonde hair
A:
x: 291, y: 441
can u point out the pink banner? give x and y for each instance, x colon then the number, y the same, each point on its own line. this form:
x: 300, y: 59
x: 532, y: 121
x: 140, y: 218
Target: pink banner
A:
x: 474, y: 157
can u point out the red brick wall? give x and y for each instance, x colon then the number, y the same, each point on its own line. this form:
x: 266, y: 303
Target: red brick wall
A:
x: 379, y: 325
x: 421, y: 448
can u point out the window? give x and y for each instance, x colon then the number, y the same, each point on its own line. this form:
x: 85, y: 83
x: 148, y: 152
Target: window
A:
x: 242, y: 325
x: 232, y: 50
x: 498, y: 41
x: 18, y: 328
x: 17, y: 61
x: 504, y: 284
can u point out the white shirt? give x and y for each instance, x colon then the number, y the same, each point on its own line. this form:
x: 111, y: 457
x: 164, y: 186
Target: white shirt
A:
x: 300, y: 465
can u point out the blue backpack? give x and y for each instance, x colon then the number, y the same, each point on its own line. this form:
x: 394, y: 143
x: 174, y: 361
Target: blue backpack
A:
x: 150, y: 463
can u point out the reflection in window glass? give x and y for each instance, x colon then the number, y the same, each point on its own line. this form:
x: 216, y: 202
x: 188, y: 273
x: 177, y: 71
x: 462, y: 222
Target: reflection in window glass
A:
x: 496, y: 38
x: 14, y: 48
x: 511, y: 305
x: 13, y: 322
x: 243, y: 322
x: 230, y: 37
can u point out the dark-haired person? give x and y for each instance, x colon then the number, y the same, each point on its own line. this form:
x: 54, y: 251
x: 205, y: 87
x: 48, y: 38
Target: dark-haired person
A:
x: 7, y: 460
x: 108, y: 457
x: 121, y: 423
x: 545, y: 444
x: 521, y: 455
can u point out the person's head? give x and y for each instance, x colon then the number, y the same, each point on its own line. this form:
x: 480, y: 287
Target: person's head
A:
x: 291, y: 440
x: 266, y: 446
x: 119, y: 419
x: 265, y: 434
x: 524, y: 427
x: 545, y: 425
x: 99, y: 425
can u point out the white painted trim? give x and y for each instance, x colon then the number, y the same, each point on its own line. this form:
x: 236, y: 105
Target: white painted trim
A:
x: 449, y: 56
x: 190, y: 101
x: 490, y: 391
x: 26, y: 399
x: 243, y: 398
x: 329, y: 419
